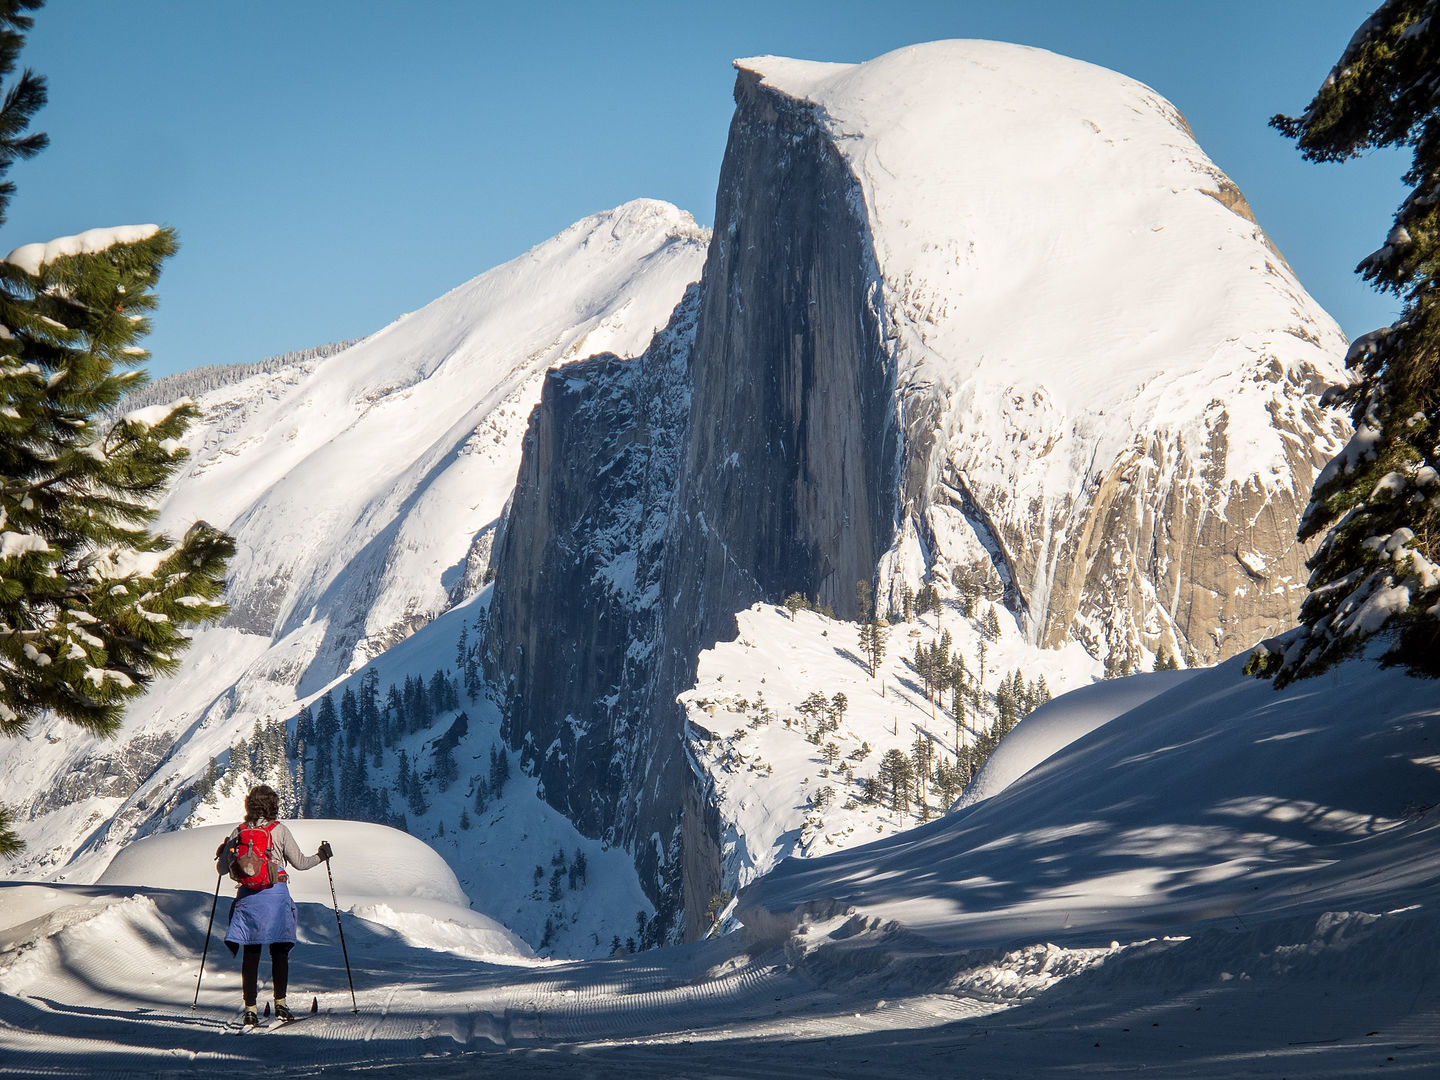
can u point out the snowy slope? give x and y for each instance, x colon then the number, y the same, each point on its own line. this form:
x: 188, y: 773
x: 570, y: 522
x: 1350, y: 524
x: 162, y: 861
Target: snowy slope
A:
x: 776, y: 793
x: 1054, y: 726
x: 363, y: 490
x: 1085, y: 314
x: 1245, y: 883
x: 1217, y: 802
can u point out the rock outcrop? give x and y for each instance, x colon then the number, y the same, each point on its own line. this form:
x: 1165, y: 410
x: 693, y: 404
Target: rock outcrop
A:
x: 761, y: 462
x: 969, y: 311
x: 574, y: 617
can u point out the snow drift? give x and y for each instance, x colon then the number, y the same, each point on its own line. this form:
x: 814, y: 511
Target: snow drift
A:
x: 1218, y: 802
x: 380, y: 874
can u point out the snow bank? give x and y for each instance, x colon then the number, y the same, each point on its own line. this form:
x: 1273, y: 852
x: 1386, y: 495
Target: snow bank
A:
x: 372, y: 863
x: 1054, y: 726
x: 380, y: 874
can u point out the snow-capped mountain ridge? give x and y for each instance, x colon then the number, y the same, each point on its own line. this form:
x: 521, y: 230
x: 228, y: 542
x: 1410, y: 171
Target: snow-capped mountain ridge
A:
x: 364, y: 489
x: 1079, y: 297
x: 972, y: 313
x: 409, y: 395
x: 1003, y: 385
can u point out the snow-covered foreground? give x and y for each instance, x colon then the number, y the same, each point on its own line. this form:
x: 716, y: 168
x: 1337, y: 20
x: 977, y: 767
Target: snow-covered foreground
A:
x: 1222, y: 880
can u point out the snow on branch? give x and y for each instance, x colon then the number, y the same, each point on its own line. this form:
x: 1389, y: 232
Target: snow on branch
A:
x: 32, y: 258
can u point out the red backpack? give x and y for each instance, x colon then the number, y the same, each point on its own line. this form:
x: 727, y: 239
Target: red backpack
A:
x: 255, y: 864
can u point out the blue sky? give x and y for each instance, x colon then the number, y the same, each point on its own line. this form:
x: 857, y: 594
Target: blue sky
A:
x: 330, y: 166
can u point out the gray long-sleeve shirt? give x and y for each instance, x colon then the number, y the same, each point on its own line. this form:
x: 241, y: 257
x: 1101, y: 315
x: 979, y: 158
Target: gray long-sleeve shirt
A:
x: 283, y: 842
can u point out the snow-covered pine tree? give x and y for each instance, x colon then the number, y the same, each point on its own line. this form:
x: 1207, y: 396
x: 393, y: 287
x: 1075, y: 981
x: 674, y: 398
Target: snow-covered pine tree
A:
x: 93, y: 606
x: 1377, y: 569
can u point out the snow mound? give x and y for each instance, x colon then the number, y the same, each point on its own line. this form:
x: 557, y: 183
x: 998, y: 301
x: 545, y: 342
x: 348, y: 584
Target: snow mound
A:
x: 1054, y: 726
x: 380, y: 874
x: 372, y: 864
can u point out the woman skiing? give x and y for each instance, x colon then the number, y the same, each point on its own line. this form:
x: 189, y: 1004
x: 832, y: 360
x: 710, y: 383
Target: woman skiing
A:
x: 263, y: 913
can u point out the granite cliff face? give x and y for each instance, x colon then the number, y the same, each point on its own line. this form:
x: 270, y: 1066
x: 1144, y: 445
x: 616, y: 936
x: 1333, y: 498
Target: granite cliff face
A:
x: 575, y: 612
x: 969, y: 311
x: 750, y: 453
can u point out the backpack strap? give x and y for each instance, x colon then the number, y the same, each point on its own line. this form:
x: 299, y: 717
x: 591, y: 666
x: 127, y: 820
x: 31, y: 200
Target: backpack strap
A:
x: 275, y: 857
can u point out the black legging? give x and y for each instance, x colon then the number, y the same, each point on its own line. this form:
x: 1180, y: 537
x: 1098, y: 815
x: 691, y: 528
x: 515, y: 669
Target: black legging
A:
x: 279, y: 969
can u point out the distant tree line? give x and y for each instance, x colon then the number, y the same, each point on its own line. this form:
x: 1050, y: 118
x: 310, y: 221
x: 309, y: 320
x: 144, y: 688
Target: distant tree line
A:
x: 193, y: 382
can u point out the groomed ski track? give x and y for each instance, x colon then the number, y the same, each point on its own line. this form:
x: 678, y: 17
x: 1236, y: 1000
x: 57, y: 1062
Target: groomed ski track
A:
x: 107, y: 997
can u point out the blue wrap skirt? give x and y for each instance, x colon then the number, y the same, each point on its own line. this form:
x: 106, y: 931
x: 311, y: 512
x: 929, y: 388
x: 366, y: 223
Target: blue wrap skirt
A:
x: 261, y: 917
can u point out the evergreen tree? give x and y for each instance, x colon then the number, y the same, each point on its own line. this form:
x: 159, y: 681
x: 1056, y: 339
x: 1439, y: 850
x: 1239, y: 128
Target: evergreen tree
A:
x: 871, y: 790
x: 813, y: 708
x: 205, y: 786
x: 446, y: 770
x: 327, y: 723
x: 416, y: 799
x: 471, y: 673
x: 402, y: 775
x: 349, y: 713
x: 1377, y: 569
x: 499, y: 769
x: 394, y: 714
x: 864, y: 601
x: 873, y: 633
x: 302, y: 790
x: 441, y: 695
x: 419, y: 713
x: 304, y: 728
x: 371, y: 724
x: 896, y: 774
x: 93, y: 605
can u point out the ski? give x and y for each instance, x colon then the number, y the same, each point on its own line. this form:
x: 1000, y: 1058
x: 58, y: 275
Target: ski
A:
x: 239, y: 1027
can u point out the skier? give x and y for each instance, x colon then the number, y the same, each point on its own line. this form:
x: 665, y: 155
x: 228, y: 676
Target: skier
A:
x: 263, y: 912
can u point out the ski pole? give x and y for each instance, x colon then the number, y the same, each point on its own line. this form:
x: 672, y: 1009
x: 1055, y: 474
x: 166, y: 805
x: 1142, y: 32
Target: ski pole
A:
x: 206, y: 950
x: 355, y: 1008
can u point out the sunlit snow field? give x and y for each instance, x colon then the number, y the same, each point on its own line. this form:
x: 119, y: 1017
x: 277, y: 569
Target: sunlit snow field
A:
x: 1221, y: 880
